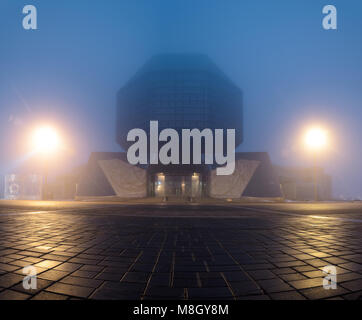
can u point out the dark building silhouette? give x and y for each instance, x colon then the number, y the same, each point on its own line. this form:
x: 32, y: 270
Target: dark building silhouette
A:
x: 180, y: 91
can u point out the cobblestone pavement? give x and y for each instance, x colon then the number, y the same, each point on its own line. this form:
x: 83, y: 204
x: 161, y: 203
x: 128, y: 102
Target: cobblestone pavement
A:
x: 182, y: 252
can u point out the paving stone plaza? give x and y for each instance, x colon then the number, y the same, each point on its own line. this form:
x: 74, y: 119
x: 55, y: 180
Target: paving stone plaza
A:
x: 177, y: 251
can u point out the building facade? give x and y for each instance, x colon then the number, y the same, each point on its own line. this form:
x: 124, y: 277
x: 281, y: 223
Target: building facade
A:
x: 180, y: 91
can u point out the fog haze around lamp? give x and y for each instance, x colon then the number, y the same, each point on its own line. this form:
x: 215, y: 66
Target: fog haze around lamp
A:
x: 45, y: 140
x: 316, y: 138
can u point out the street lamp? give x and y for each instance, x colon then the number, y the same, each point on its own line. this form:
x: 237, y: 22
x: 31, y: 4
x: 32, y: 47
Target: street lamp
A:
x: 45, y: 142
x: 316, y: 139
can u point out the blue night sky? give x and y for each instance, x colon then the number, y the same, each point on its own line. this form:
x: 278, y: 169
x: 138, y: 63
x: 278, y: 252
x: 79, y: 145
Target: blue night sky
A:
x: 293, y: 72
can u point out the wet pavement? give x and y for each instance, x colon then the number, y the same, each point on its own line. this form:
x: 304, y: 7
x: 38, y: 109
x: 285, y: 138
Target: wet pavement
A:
x: 195, y: 251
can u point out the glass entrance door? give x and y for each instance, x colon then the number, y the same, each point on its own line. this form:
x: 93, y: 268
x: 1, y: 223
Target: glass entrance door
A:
x: 178, y: 186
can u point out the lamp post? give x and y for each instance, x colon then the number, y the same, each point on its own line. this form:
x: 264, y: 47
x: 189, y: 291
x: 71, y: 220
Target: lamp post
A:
x: 44, y: 191
x: 316, y: 140
x: 46, y: 142
x: 315, y: 177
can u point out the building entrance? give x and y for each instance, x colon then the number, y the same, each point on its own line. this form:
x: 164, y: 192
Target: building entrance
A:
x: 178, y: 185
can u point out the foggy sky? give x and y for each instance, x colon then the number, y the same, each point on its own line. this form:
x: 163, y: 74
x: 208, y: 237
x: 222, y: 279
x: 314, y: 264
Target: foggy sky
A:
x: 292, y: 72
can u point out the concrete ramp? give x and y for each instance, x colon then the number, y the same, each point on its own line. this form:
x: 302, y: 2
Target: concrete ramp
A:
x: 127, y: 181
x: 233, y: 186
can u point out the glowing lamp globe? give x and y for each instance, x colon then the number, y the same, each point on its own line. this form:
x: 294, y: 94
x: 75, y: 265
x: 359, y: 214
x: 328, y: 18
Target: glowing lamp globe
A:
x: 45, y: 140
x: 316, y: 139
